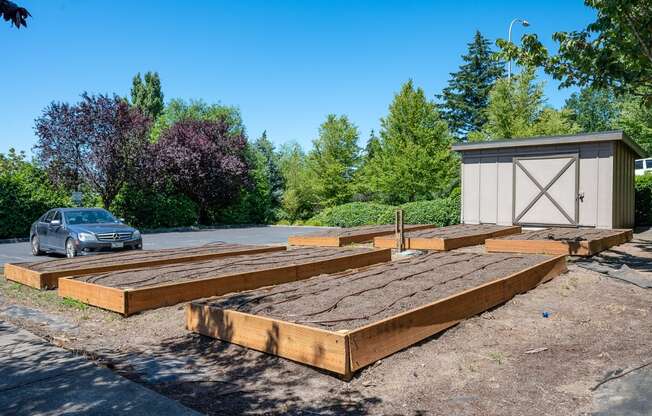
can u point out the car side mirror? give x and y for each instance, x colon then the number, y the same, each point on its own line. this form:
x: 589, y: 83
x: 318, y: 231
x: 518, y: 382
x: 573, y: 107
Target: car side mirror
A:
x: 55, y: 223
x: 121, y: 219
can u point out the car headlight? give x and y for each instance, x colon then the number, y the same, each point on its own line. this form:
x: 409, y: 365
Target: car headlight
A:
x: 86, y: 237
x: 136, y: 234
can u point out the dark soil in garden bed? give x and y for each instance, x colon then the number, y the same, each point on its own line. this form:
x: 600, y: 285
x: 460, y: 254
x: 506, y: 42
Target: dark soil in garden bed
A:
x: 357, y: 297
x: 455, y: 231
x: 133, y: 256
x: 150, y: 276
x: 564, y: 234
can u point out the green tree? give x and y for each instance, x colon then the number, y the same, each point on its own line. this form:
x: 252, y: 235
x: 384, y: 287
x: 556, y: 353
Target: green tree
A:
x: 614, y: 51
x: 413, y: 160
x: 467, y: 93
x: 635, y: 119
x: 178, y: 109
x: 299, y: 201
x: 146, y: 94
x: 334, y: 159
x: 273, y: 170
x: 26, y: 192
x: 593, y: 109
x: 517, y: 109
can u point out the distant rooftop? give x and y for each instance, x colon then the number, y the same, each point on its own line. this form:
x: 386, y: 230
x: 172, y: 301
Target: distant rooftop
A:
x: 603, y: 136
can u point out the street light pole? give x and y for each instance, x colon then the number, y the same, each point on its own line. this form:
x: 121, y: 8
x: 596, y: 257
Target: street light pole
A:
x: 525, y: 23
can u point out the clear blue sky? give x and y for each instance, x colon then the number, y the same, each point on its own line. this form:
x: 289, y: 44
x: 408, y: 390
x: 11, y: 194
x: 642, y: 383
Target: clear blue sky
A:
x: 285, y: 64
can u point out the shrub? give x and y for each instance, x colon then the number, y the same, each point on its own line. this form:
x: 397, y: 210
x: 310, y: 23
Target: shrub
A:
x: 353, y: 214
x: 643, y: 197
x: 442, y: 212
x: 145, y: 208
x: 25, y: 194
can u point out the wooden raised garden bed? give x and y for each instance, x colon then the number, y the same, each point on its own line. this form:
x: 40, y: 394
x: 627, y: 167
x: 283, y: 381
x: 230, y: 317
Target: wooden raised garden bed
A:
x: 344, y: 236
x: 448, y: 238
x: 569, y: 241
x: 132, y: 291
x: 346, y: 321
x: 45, y: 274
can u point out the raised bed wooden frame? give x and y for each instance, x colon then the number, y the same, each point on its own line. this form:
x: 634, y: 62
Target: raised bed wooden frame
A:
x: 18, y: 272
x: 569, y: 248
x: 344, y: 352
x: 340, y: 241
x: 443, y: 244
x: 130, y: 301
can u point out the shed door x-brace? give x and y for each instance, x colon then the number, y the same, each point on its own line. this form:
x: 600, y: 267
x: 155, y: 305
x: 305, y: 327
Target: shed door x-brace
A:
x: 546, y: 190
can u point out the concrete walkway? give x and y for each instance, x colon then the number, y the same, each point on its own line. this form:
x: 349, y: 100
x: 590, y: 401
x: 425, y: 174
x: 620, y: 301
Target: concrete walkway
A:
x: 37, y: 378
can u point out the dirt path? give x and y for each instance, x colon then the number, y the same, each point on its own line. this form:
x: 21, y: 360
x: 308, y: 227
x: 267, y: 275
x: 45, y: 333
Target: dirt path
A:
x: 480, y: 367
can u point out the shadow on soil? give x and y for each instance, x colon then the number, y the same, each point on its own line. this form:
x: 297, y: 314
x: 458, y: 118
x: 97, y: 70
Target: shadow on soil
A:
x: 223, y: 378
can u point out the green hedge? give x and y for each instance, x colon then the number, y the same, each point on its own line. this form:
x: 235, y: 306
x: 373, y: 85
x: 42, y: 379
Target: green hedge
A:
x: 352, y: 215
x: 143, y: 208
x: 442, y: 212
x: 643, y: 196
x: 25, y: 194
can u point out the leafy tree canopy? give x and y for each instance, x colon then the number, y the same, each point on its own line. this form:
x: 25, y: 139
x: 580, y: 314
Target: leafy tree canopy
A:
x: 299, y: 200
x: 413, y: 160
x: 179, y: 110
x: 593, y: 109
x: 467, y: 93
x: 99, y: 142
x: 146, y: 94
x: 517, y: 109
x: 334, y: 159
x: 614, y: 51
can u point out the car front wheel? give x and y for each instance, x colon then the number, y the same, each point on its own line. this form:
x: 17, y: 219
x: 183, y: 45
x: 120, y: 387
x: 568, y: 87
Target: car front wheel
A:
x: 70, y: 249
x: 36, y: 246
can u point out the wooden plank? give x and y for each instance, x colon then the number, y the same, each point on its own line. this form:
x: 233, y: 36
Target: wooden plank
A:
x: 322, y: 241
x: 571, y: 248
x: 101, y: 296
x: 443, y: 243
x: 20, y: 274
x: 340, y: 241
x: 313, y: 346
x: 49, y: 280
x: 378, y: 340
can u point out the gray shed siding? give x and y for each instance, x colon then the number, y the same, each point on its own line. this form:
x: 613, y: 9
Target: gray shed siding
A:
x: 623, y: 185
x: 487, y: 183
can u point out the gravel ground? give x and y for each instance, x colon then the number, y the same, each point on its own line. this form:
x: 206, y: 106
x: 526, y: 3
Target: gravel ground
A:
x: 595, y: 325
x: 353, y: 231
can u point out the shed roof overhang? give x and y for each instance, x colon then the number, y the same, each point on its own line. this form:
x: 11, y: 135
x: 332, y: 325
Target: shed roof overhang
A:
x: 604, y: 136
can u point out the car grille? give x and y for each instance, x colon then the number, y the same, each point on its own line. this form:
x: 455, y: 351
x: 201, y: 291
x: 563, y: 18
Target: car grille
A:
x: 113, y: 236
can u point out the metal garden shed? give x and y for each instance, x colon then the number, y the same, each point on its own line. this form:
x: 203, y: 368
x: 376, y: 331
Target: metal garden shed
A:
x: 584, y: 180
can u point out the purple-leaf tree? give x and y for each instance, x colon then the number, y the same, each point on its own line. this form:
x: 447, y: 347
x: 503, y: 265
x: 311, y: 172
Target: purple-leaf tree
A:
x: 205, y: 160
x: 99, y: 141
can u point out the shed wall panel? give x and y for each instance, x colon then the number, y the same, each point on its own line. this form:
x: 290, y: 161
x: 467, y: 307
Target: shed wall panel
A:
x: 596, y: 181
x: 488, y: 190
x: 471, y: 193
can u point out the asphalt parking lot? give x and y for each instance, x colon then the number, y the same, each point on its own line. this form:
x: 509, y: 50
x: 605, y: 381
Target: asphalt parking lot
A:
x: 20, y: 252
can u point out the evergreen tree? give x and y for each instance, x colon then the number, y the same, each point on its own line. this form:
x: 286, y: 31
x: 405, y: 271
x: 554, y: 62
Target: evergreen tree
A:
x: 334, y: 159
x: 517, y: 109
x: 413, y: 160
x: 299, y: 199
x: 271, y: 159
x: 146, y: 94
x: 467, y: 93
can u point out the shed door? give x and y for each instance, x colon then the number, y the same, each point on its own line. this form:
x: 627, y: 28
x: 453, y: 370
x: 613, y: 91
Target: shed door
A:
x: 545, y: 190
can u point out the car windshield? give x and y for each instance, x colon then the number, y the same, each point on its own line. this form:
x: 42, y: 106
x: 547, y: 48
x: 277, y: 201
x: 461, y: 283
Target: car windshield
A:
x: 89, y: 217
